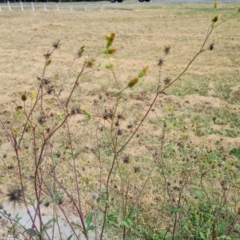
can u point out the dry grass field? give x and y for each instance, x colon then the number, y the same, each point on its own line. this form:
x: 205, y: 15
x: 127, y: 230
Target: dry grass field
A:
x: 182, y: 184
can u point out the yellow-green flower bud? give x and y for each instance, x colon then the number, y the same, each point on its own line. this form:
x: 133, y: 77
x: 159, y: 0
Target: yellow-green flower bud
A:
x: 110, y: 65
x: 48, y: 62
x: 88, y: 114
x: 110, y: 38
x: 132, y: 82
x: 24, y: 97
x: 215, y: 19
x: 143, y: 72
x: 110, y: 51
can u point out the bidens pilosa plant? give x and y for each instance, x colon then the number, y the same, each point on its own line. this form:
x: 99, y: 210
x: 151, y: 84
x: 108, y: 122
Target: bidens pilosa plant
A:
x: 94, y: 161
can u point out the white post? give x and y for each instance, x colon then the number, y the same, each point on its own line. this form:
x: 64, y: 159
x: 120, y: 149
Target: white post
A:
x: 57, y: 7
x: 9, y: 7
x: 85, y: 7
x: 70, y: 5
x: 33, y: 7
x: 0, y: 8
x: 101, y: 6
x: 21, y: 5
x: 45, y: 8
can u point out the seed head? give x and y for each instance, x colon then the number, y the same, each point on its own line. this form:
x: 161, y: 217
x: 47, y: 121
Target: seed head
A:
x: 126, y: 159
x: 56, y: 44
x: 160, y: 62
x: 50, y: 89
x: 167, y: 80
x: 211, y: 46
x: 119, y: 132
x: 75, y: 111
x: 167, y: 50
x: 136, y: 169
x: 15, y: 195
x: 41, y: 119
x: 47, y: 55
x: 90, y: 62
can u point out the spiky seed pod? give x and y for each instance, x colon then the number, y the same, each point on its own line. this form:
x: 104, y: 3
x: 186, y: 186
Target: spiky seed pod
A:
x: 160, y: 62
x: 47, y: 55
x: 56, y: 44
x: 167, y: 50
x: 167, y: 80
x: 211, y: 46
x: 15, y: 195
x: 90, y: 63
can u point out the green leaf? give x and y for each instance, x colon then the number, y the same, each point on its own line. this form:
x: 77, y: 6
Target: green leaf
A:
x: 31, y: 232
x: 89, y: 228
x: 88, y: 219
x: 75, y: 155
x: 202, y: 235
x: 77, y: 225
x: 70, y: 237
x: 47, y: 225
x: 126, y: 224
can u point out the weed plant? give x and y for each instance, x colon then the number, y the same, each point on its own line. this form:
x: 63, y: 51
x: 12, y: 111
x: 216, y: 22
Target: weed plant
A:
x: 100, y: 163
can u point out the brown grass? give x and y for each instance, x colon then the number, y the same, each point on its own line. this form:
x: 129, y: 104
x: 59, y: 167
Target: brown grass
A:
x: 210, y: 86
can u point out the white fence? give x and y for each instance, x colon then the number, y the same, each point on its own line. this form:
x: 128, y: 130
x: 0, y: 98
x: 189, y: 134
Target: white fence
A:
x: 9, y: 237
x: 48, y: 6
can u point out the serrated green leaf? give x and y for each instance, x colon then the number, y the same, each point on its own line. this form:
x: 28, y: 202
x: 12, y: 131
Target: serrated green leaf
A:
x: 88, y: 219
